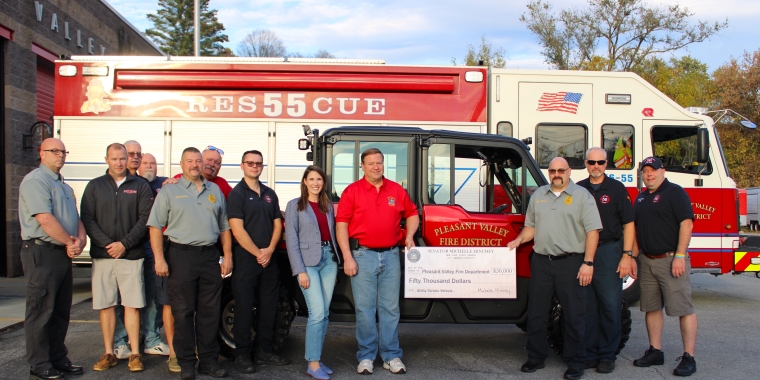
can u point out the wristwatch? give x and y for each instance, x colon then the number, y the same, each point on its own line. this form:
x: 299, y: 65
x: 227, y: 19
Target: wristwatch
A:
x: 629, y: 253
x: 589, y: 263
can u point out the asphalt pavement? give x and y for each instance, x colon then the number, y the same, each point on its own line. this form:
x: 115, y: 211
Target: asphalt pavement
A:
x: 727, y: 307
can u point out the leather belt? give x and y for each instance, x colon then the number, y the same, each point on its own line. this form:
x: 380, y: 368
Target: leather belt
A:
x: 187, y: 247
x: 560, y: 257
x: 380, y: 249
x: 46, y: 244
x: 660, y: 256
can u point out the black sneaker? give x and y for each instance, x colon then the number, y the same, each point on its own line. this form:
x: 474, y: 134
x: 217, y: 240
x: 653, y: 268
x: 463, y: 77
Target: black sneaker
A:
x: 687, y: 365
x: 264, y: 358
x: 605, y: 366
x: 213, y: 370
x: 243, y: 364
x: 651, y: 357
x: 532, y: 365
x: 592, y: 364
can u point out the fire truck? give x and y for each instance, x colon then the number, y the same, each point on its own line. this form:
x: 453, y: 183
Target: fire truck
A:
x: 237, y: 104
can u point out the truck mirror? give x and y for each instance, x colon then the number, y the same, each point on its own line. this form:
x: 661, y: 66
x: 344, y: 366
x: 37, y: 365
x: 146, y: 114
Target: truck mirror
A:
x: 309, y: 156
x: 703, y: 145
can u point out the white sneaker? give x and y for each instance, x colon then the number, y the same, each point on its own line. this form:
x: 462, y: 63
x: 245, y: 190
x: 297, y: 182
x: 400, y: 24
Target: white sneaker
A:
x: 160, y: 349
x: 122, y: 352
x: 396, y: 366
x: 365, y: 367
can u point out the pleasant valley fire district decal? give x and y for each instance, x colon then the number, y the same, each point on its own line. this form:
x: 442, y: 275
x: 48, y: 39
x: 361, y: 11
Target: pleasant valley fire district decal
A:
x: 605, y: 199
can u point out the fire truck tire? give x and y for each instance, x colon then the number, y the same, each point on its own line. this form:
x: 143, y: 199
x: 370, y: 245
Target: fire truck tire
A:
x: 631, y: 291
x: 283, y: 322
x: 554, y: 329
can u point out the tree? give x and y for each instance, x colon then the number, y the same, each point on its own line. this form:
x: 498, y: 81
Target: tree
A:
x: 319, y: 54
x: 173, y: 29
x: 738, y: 88
x: 485, y: 52
x: 261, y: 43
x: 629, y: 30
x: 685, y: 80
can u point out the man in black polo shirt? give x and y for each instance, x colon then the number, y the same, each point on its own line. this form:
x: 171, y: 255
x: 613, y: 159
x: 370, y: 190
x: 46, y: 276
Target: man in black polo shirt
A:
x: 612, y: 262
x: 256, y: 222
x: 664, y: 219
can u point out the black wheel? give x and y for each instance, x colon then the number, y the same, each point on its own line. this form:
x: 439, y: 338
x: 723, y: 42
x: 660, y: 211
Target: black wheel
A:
x: 554, y: 330
x: 282, y: 322
x: 631, y: 290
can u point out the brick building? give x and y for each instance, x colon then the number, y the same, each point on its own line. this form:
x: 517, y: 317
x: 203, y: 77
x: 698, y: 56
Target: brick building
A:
x: 32, y: 35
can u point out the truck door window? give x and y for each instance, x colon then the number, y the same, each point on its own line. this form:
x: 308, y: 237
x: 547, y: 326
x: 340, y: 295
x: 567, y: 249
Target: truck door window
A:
x: 676, y: 147
x: 617, y: 140
x: 396, y: 160
x: 344, y: 167
x: 504, y: 128
x: 555, y: 140
x: 346, y: 161
x: 439, y: 174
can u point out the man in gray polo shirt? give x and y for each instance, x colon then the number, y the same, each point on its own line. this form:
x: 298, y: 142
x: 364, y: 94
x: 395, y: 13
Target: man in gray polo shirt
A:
x: 52, y: 235
x: 564, y: 221
x: 195, y: 215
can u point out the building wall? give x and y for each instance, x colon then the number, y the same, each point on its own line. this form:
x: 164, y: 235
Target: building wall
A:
x: 90, y: 23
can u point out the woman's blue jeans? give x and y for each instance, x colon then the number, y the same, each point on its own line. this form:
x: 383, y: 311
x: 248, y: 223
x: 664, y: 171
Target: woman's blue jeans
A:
x: 318, y: 297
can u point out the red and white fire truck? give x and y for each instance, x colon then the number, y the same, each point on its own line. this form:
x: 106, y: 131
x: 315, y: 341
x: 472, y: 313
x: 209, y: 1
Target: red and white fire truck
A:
x: 242, y: 103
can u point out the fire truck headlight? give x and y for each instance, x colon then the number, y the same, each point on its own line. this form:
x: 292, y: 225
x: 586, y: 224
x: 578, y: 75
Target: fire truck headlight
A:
x: 67, y: 70
x: 473, y: 76
x: 303, y: 144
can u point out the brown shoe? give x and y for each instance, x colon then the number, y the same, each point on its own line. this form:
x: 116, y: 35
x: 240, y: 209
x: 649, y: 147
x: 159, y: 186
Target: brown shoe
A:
x: 135, y: 363
x: 173, y: 364
x: 106, y: 361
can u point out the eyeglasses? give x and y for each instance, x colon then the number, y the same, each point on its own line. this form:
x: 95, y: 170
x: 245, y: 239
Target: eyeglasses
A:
x: 597, y: 162
x: 558, y: 171
x: 134, y: 154
x: 211, y: 147
x: 57, y: 151
x: 254, y: 164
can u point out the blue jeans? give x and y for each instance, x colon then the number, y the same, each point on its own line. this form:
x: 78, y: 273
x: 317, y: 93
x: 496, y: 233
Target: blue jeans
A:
x: 603, y: 305
x: 151, y: 319
x: 318, y: 296
x: 376, y: 288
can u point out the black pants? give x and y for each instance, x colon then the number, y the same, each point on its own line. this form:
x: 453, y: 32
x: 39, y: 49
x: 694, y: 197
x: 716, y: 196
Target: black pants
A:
x: 48, y: 305
x: 548, y: 277
x: 604, y: 303
x: 195, y: 290
x: 249, y: 278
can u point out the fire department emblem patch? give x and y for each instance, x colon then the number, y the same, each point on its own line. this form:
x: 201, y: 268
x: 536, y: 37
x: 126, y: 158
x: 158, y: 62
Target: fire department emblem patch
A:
x: 268, y: 199
x: 656, y: 198
x: 211, y: 198
x: 391, y: 201
x: 568, y: 200
x: 605, y: 199
x: 413, y: 256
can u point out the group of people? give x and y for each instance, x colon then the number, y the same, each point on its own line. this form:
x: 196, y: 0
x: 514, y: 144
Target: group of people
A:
x: 588, y: 237
x: 156, y: 243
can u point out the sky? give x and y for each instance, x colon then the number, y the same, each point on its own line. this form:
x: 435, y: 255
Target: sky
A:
x: 432, y: 32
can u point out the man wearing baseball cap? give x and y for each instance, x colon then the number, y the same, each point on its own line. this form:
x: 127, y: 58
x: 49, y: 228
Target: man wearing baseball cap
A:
x: 664, y: 219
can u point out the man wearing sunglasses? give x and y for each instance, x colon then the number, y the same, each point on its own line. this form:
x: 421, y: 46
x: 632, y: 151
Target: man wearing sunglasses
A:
x: 212, y: 163
x: 563, y: 220
x: 134, y: 154
x: 612, y: 262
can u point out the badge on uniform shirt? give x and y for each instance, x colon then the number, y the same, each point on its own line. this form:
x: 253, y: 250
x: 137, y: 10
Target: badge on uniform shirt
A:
x: 604, y: 199
x: 268, y: 199
x: 656, y: 198
x: 211, y: 198
x: 568, y: 200
x: 391, y: 201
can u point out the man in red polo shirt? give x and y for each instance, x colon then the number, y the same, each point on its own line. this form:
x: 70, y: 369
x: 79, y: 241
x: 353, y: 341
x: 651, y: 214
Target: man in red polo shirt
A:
x: 370, y: 211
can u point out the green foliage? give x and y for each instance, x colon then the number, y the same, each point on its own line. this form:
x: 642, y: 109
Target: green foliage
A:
x: 738, y: 88
x: 685, y: 80
x: 485, y: 52
x: 623, y: 32
x: 173, y: 29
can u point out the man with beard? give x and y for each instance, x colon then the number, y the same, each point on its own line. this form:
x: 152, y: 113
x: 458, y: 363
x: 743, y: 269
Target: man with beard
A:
x: 194, y: 213
x: 612, y: 262
x: 563, y: 219
x: 212, y: 163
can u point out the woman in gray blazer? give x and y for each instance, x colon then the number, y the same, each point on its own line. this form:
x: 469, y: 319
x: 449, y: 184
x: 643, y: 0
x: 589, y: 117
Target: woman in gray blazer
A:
x: 310, y: 237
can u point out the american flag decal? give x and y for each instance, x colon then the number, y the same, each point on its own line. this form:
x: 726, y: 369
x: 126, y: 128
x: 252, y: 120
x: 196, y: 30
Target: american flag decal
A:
x: 559, y: 101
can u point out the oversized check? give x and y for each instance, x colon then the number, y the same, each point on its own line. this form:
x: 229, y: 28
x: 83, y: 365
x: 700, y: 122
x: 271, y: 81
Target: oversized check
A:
x: 460, y: 272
